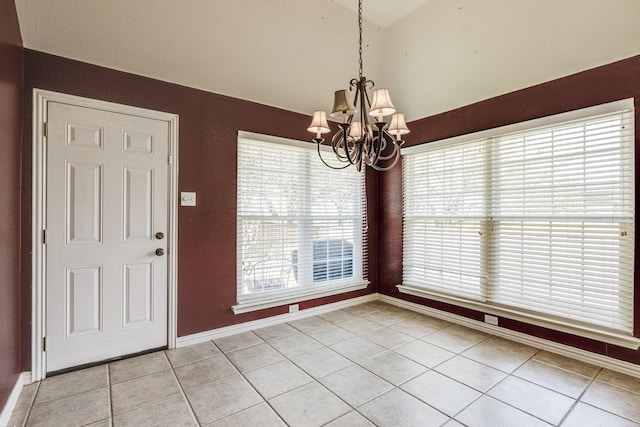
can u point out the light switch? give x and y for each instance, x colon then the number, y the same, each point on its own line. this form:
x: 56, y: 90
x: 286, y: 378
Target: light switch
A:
x: 187, y: 198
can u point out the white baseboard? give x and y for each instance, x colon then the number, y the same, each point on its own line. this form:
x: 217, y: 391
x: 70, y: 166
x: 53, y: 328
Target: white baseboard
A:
x: 270, y: 321
x: 562, y: 349
x: 23, y: 379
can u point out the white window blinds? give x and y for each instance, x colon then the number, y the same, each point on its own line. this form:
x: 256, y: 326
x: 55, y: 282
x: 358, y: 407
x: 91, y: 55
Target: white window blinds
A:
x: 539, y: 221
x: 301, y: 226
x: 443, y: 219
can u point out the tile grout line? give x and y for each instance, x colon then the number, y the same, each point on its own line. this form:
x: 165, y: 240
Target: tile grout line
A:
x: 109, y: 385
x: 183, y: 392
x: 579, y: 398
x: 593, y: 380
x: 264, y: 399
x: 486, y: 393
x: 33, y: 400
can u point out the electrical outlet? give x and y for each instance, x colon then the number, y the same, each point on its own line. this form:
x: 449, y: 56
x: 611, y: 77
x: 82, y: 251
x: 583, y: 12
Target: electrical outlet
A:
x: 294, y: 307
x: 492, y: 320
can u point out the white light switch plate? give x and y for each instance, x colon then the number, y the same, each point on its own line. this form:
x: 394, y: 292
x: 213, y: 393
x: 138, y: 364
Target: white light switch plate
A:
x: 187, y: 198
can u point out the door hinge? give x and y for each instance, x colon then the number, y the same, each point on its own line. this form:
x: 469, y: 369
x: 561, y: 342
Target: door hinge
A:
x: 45, y: 129
x: 44, y: 237
x: 170, y: 159
x: 44, y: 343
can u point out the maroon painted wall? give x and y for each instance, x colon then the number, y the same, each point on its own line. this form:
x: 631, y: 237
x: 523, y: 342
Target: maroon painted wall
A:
x: 608, y: 83
x: 208, y: 128
x: 11, y: 55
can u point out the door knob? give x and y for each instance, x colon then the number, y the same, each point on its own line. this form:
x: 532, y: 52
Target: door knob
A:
x: 159, y: 251
x: 159, y: 235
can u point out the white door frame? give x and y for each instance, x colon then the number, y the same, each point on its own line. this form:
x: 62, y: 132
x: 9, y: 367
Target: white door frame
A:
x: 39, y: 191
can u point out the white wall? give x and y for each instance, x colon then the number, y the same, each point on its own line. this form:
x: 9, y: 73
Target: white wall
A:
x: 450, y: 53
x: 294, y: 53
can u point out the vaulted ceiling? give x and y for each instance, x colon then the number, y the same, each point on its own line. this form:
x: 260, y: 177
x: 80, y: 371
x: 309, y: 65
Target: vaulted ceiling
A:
x: 433, y: 55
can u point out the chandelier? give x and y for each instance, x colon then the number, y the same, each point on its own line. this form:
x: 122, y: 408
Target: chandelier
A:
x: 356, y: 142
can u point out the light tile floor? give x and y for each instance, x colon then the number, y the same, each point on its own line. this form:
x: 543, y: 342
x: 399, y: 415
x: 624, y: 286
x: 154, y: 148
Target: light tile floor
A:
x: 370, y: 364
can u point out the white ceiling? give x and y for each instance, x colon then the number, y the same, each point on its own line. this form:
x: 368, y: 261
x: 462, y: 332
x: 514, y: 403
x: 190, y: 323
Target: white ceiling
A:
x: 383, y: 12
x: 433, y: 55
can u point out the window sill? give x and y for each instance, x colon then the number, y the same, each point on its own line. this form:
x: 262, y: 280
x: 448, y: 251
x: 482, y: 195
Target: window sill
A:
x: 590, y: 332
x: 256, y: 304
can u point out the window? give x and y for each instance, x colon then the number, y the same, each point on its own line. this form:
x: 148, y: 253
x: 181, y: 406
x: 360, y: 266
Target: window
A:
x: 534, y: 223
x: 301, y: 225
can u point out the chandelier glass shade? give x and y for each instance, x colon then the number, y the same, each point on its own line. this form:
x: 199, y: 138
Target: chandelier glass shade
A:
x: 363, y: 136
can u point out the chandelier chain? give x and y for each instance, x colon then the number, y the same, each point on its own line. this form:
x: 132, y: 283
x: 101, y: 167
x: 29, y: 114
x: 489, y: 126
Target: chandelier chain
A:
x: 360, y: 30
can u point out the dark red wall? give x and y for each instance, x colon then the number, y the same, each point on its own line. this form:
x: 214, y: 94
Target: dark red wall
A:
x: 208, y: 128
x: 11, y: 55
x: 612, y: 82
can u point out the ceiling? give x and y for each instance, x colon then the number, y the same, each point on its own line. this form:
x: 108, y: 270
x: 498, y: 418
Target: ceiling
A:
x: 383, y: 12
x: 433, y: 55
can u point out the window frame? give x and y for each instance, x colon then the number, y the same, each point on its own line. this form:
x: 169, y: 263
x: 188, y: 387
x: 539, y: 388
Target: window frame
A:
x: 271, y: 298
x: 558, y: 324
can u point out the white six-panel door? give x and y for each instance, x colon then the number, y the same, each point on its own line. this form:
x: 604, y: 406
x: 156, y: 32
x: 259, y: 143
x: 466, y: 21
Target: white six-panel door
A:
x: 106, y: 198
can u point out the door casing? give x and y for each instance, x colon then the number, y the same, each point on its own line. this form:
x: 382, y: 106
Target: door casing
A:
x: 39, y: 190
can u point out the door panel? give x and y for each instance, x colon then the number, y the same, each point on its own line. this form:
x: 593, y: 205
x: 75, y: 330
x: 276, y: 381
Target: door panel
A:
x: 138, y: 204
x: 107, y: 186
x: 84, y: 300
x: 138, y: 294
x: 138, y: 142
x: 84, y: 135
x: 84, y: 202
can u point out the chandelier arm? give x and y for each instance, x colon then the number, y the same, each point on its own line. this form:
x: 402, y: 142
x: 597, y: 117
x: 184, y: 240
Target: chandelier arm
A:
x: 392, y: 142
x: 336, y: 143
x: 345, y: 144
x: 357, y: 149
x: 379, y: 147
x: 339, y: 143
x: 386, y: 168
x: 319, y: 141
x: 390, y: 156
x: 355, y: 83
x: 371, y: 85
x: 359, y: 157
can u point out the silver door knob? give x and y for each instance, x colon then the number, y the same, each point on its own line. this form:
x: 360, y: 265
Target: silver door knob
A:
x: 159, y: 251
x: 159, y: 235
